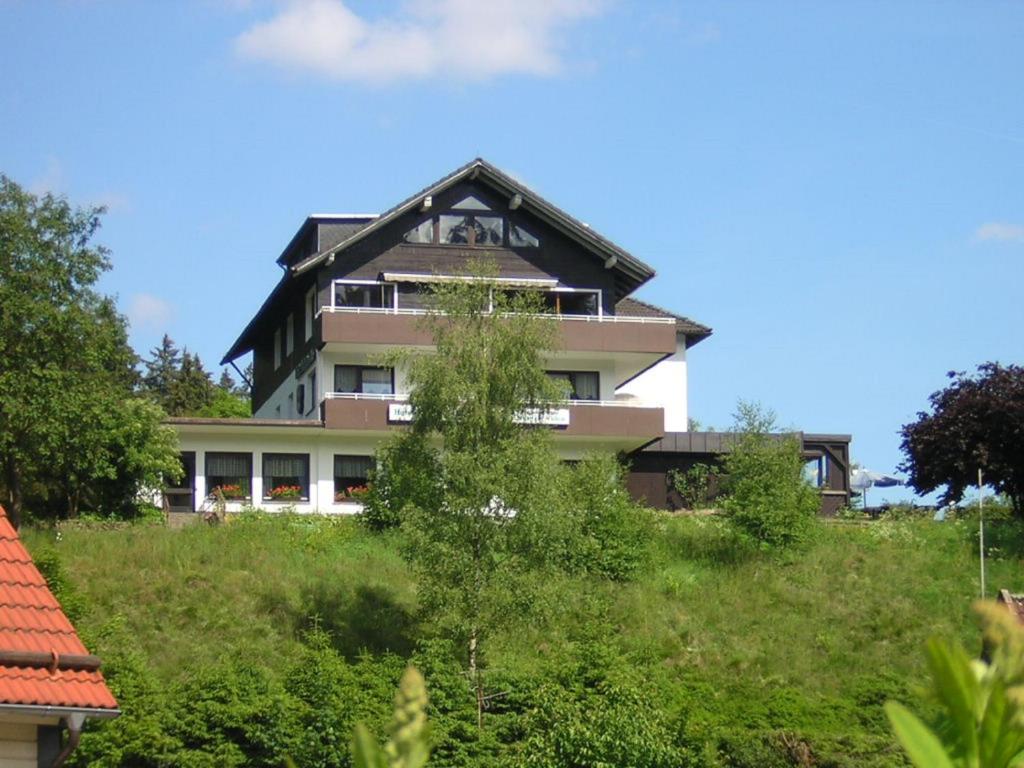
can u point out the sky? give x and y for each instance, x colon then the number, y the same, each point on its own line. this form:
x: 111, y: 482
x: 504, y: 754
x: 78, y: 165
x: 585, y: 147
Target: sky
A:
x: 836, y: 188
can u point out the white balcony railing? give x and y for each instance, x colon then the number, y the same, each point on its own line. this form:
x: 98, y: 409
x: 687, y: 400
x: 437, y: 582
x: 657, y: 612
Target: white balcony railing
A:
x: 401, y: 398
x: 422, y: 312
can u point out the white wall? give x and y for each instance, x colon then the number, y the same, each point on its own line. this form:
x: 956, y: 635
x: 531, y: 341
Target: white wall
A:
x: 664, y: 385
x: 321, y: 446
x: 18, y: 745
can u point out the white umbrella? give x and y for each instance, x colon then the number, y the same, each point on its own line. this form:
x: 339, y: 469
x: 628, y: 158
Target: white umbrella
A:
x: 862, y: 479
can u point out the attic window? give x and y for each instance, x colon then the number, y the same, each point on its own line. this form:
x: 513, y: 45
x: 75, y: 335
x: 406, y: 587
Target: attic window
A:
x: 421, y: 233
x: 471, y: 203
x: 472, y: 230
x: 518, y: 237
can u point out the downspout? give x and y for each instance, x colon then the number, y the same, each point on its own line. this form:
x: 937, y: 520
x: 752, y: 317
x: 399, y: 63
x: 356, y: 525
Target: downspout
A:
x: 74, y: 723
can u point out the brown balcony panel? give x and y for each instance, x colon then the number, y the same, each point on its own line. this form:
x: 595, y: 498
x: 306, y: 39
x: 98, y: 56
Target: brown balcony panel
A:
x: 615, y: 421
x: 577, y: 335
x: 361, y: 415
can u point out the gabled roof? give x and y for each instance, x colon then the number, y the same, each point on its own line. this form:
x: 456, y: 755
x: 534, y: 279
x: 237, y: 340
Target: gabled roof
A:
x: 694, y: 331
x: 632, y: 272
x: 42, y: 660
x: 346, y: 224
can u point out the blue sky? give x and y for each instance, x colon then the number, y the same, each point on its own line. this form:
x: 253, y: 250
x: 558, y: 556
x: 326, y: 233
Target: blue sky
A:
x: 836, y: 188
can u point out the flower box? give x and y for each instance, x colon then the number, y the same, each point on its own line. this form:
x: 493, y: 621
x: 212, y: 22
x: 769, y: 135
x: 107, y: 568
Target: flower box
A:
x: 286, y: 493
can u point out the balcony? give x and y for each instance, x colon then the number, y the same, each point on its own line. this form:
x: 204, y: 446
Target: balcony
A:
x: 604, y: 334
x: 617, y: 425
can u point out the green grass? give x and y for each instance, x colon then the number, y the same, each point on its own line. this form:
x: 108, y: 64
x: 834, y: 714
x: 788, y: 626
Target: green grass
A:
x: 811, y: 642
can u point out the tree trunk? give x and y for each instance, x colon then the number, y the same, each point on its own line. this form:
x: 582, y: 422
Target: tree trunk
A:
x: 12, y: 474
x: 474, y: 676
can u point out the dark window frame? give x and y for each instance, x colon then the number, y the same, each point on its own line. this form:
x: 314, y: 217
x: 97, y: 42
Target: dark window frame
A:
x: 572, y: 382
x: 304, y: 483
x: 244, y: 481
x: 351, y: 481
x: 360, y: 369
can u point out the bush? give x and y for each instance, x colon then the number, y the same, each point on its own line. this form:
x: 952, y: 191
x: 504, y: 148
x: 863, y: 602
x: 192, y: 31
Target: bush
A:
x: 610, y: 533
x: 768, y: 500
x: 693, y: 485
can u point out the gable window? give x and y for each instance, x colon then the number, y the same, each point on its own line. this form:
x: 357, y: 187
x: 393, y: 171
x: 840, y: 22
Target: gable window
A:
x: 351, y: 474
x: 471, y: 229
x: 310, y: 312
x: 364, y: 293
x: 364, y: 379
x: 471, y: 203
x: 286, y: 476
x: 581, y: 385
x: 289, y: 335
x: 277, y: 348
x: 421, y: 233
x: 520, y: 237
x: 582, y: 302
x: 229, y: 473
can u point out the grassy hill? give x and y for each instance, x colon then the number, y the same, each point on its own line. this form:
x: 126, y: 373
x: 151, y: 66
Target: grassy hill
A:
x: 722, y: 655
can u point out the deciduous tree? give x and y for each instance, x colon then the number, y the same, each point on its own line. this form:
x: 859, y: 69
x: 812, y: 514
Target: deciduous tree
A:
x: 66, y: 369
x: 977, y: 422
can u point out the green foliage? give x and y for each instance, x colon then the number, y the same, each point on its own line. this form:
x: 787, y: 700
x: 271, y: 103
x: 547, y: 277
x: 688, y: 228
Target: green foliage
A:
x: 609, y: 534
x: 742, y: 659
x: 981, y: 724
x: 693, y: 485
x: 768, y: 500
x: 71, y: 434
x: 176, y: 380
x: 595, y: 712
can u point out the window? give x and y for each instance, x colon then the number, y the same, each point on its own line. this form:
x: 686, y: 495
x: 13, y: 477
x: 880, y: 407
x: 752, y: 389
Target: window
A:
x: 300, y: 398
x: 581, y: 385
x: 231, y: 473
x: 364, y: 379
x: 572, y: 302
x: 286, y: 476
x: 457, y: 229
x: 350, y: 476
x: 312, y: 390
x: 471, y: 203
x: 310, y: 312
x: 816, y: 471
x: 277, y: 348
x: 369, y: 294
x: 519, y: 237
x: 421, y: 233
x: 289, y: 334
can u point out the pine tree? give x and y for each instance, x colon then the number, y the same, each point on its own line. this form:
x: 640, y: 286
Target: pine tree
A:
x: 191, y: 389
x: 161, y: 370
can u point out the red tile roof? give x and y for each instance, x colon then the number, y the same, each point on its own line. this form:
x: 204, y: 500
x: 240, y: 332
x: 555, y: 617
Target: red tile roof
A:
x: 31, y: 620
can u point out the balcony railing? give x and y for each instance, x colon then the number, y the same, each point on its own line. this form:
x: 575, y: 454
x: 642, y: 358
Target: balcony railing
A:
x: 423, y: 312
x: 401, y: 398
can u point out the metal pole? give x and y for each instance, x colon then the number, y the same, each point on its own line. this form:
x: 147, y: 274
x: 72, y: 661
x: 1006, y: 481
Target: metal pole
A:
x: 981, y: 531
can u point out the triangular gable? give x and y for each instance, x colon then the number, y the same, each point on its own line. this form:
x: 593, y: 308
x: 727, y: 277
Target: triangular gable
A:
x: 630, y: 272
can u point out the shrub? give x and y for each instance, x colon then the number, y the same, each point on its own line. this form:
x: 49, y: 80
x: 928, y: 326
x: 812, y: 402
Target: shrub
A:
x: 768, y: 500
x: 693, y: 485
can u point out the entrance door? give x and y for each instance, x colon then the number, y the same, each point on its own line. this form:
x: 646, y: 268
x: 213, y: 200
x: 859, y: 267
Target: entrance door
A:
x: 182, y: 498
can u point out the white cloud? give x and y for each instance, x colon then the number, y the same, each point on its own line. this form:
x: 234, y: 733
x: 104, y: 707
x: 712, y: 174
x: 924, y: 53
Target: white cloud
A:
x: 1000, y: 232
x: 464, y: 39
x: 52, y: 179
x: 146, y: 311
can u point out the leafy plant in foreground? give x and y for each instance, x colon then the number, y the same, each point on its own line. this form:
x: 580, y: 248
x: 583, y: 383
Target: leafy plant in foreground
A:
x: 982, y: 723
x: 406, y: 746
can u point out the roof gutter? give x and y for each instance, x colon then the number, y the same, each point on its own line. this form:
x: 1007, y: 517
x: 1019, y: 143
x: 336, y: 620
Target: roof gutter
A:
x: 45, y: 710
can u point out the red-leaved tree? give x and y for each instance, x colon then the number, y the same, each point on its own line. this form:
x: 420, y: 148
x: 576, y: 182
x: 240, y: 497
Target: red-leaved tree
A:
x: 975, y: 422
